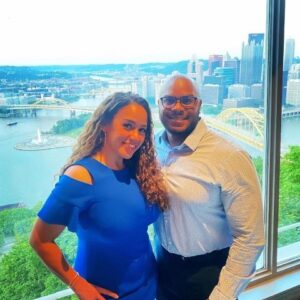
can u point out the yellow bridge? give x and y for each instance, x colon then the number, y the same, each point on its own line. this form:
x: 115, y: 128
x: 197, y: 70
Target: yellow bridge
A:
x: 244, y: 124
x: 49, y: 103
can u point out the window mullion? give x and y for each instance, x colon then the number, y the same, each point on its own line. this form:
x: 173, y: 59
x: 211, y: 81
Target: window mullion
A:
x: 273, y: 98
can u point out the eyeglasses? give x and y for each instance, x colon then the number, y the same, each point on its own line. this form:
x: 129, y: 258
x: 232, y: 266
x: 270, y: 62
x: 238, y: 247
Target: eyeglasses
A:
x: 185, y: 101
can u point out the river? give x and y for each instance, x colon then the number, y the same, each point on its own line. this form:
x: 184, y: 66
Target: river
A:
x: 29, y: 176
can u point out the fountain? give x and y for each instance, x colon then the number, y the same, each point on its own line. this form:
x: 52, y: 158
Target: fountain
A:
x: 39, y: 139
x: 40, y: 142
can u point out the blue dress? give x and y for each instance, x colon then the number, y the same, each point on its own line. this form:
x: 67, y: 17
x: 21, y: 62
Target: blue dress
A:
x: 110, y: 218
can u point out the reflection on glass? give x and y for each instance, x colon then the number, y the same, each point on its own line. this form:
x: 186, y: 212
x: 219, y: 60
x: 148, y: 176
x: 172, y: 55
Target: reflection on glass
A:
x: 289, y: 194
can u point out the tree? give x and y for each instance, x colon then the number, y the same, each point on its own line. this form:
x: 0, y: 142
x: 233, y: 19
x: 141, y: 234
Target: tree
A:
x: 1, y: 237
x: 258, y: 163
x: 9, y: 217
x: 22, y: 275
x: 66, y: 125
x: 290, y: 187
x: 290, y: 165
x: 23, y: 227
x: 289, y: 195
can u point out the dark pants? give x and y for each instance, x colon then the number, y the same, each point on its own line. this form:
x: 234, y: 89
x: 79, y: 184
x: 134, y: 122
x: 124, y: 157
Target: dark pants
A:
x: 188, y: 278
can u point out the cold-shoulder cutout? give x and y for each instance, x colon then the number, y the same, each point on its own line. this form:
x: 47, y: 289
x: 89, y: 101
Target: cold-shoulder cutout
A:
x: 79, y: 173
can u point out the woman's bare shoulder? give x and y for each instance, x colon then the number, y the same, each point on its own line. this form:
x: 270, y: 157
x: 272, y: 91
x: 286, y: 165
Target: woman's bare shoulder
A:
x: 79, y: 173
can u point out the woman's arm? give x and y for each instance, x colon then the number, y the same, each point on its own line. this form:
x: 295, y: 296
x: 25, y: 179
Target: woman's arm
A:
x: 42, y: 240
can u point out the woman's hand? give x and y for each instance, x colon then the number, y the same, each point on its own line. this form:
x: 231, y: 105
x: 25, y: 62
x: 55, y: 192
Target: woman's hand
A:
x: 86, y: 291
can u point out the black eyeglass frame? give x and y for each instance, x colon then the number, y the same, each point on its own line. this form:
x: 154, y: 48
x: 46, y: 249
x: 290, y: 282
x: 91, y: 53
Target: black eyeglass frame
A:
x: 180, y: 99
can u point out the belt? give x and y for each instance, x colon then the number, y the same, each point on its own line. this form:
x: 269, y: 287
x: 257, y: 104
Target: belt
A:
x: 217, y: 256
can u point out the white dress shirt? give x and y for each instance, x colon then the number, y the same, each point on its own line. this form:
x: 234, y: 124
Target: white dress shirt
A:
x: 215, y: 202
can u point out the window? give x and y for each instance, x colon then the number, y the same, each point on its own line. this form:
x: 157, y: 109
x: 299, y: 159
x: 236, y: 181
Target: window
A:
x: 289, y: 192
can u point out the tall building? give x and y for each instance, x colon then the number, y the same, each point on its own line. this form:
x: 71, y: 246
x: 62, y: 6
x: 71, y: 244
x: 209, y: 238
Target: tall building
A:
x: 284, y: 86
x: 294, y: 72
x: 212, y: 94
x: 256, y: 92
x: 252, y: 59
x: 216, y: 80
x: 227, y: 73
x: 257, y: 38
x: 214, y: 61
x: 238, y: 91
x: 194, y: 70
x: 233, y: 63
x: 293, y: 92
x: 289, y: 52
x: 238, y: 102
x: 289, y: 88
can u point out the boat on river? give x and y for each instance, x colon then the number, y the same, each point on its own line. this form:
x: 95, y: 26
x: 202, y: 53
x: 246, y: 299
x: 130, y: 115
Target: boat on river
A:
x: 11, y: 123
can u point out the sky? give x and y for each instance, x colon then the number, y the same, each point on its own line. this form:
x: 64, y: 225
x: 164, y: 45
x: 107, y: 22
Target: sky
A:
x: 46, y: 32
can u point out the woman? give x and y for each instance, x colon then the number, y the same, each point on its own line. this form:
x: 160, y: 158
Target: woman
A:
x: 109, y: 192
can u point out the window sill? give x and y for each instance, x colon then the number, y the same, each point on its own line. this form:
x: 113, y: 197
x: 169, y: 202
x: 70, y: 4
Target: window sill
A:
x: 286, y: 286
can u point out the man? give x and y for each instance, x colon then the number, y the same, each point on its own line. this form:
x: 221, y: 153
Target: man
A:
x: 212, y: 234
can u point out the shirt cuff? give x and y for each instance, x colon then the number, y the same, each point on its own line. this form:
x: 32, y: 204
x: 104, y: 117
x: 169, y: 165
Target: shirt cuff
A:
x: 217, y: 295
x: 229, y: 286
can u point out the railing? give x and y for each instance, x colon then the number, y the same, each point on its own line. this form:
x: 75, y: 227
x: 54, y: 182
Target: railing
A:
x: 57, y: 295
x: 288, y: 227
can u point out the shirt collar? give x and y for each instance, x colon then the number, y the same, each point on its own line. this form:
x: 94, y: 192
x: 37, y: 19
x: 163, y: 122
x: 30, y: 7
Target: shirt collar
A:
x: 192, y: 141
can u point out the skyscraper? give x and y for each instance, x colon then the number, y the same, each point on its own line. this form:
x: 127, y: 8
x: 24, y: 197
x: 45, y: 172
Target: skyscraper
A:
x: 235, y: 64
x: 289, y: 52
x: 252, y: 59
x: 293, y: 92
x: 238, y: 91
x: 214, y: 61
x: 212, y: 94
x: 227, y: 73
x: 293, y: 85
x: 257, y: 38
x: 294, y: 72
x: 256, y: 93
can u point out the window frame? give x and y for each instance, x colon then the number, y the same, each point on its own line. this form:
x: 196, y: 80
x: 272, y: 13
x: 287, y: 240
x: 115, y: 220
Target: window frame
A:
x: 275, y: 27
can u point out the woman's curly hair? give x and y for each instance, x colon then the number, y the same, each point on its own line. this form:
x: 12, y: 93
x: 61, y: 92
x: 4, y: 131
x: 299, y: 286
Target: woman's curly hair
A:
x: 143, y: 163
